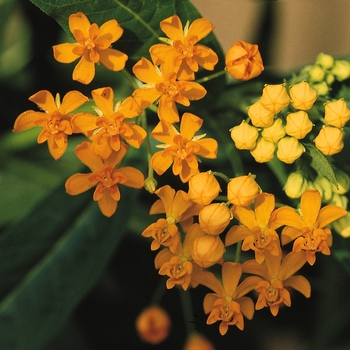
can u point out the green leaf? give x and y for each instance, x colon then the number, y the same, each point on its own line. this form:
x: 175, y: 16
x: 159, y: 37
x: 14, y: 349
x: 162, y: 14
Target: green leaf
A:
x: 321, y: 164
x: 49, y: 261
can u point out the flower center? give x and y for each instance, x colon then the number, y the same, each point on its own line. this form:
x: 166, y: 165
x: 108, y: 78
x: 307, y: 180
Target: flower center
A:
x: 185, y: 50
x: 169, y: 89
x: 89, y: 44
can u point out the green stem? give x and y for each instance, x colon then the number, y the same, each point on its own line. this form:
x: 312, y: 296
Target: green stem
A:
x: 158, y: 293
x: 187, y: 310
x: 223, y: 176
x: 211, y: 76
x: 238, y: 251
x: 130, y: 78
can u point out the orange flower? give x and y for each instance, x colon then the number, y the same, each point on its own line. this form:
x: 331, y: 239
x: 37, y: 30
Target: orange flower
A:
x: 182, y: 49
x: 93, y: 46
x: 258, y: 229
x: 55, y: 119
x: 309, y: 230
x: 196, y: 341
x: 162, y: 85
x: 112, y: 123
x: 228, y: 304
x: 105, y: 176
x: 276, y: 278
x: 181, y: 149
x: 243, y: 61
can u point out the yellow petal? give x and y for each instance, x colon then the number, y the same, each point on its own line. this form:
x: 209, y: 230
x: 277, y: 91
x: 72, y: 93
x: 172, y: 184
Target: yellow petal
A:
x: 57, y: 146
x: 192, y: 91
x: 138, y: 136
x: 200, y: 28
x: 244, y: 215
x: 207, y: 58
x: 208, y: 148
x: 236, y: 234
x: 116, y: 157
x: 286, y: 216
x: 172, y: 27
x: 64, y: 52
x: 134, y: 176
x: 44, y: 100
x: 78, y: 183
x: 292, y: 263
x: 110, y: 30
x: 71, y: 101
x: 129, y: 108
x: 85, y: 121
x: 167, y: 110
x: 289, y: 234
x: 84, y: 71
x: 107, y: 204
x: 113, y: 59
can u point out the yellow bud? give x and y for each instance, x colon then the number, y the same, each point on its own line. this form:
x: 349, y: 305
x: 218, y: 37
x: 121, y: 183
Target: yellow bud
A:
x: 207, y: 250
x: 274, y: 132
x: 329, y: 79
x: 343, y: 182
x: 316, y: 73
x: 339, y: 200
x: 244, y: 136
x: 342, y: 226
x: 264, y: 151
x: 337, y: 113
x: 289, y: 149
x: 325, y: 61
x: 150, y: 184
x: 323, y: 185
x: 296, y: 185
x: 302, y: 95
x: 203, y: 188
x: 275, y: 97
x: 242, y: 190
x: 214, y: 218
x: 329, y: 140
x: 298, y: 124
x: 322, y: 88
x: 341, y: 70
x: 259, y: 115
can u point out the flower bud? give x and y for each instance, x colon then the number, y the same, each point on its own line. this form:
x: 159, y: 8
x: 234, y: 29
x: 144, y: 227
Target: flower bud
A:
x: 264, y: 151
x: 242, y: 190
x: 203, y: 188
x: 243, y: 61
x: 343, y: 182
x: 342, y: 226
x: 329, y: 79
x: 298, y: 124
x: 150, y: 184
x: 275, y: 97
x: 214, y: 218
x: 207, y: 250
x: 341, y: 70
x: 153, y: 325
x: 316, y: 73
x: 274, y: 132
x: 259, y: 115
x: 302, y: 95
x: 322, y: 88
x: 244, y: 136
x: 337, y: 113
x: 198, y: 342
x: 289, y: 149
x: 329, y: 140
x: 296, y: 185
x: 323, y: 185
x: 339, y: 200
x: 325, y: 61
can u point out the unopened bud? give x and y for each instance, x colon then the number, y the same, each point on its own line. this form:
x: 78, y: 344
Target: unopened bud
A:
x: 242, y: 190
x: 296, y: 185
x: 275, y: 97
x: 207, y: 250
x: 303, y: 96
x: 264, y: 151
x: 337, y: 113
x: 214, y: 218
x: 274, y: 132
x: 289, y: 149
x: 341, y: 70
x: 203, y: 188
x: 259, y: 115
x: 298, y: 124
x: 325, y: 61
x: 244, y: 136
x: 329, y: 140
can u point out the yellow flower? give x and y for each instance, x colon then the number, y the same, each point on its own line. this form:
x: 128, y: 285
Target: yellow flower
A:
x: 243, y: 61
x: 92, y: 46
x: 264, y: 150
x: 182, y: 49
x: 260, y: 115
x: 274, y: 97
x: 329, y: 140
x: 112, y: 123
x: 274, y: 132
x: 181, y: 149
x: 258, y: 228
x: 163, y: 86
x: 105, y: 176
x: 309, y: 230
x: 289, y: 149
x: 337, y: 113
x: 244, y: 136
x: 298, y: 124
x: 56, y: 119
x: 276, y: 278
x: 303, y: 96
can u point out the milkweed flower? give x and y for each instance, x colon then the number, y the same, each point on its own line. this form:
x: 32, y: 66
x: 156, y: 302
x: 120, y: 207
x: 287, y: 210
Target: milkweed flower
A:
x: 112, y: 124
x: 93, y: 46
x: 298, y: 124
x: 181, y: 48
x: 259, y: 115
x: 274, y: 132
x: 303, y: 96
x: 105, y: 176
x: 181, y: 148
x: 337, y: 113
x: 242, y: 190
x: 162, y: 86
x: 329, y: 140
x: 274, y: 97
x: 203, y: 188
x: 289, y: 149
x: 213, y: 218
x: 263, y: 151
x: 276, y: 278
x: 55, y: 119
x: 243, y: 61
x: 244, y: 136
x: 309, y: 230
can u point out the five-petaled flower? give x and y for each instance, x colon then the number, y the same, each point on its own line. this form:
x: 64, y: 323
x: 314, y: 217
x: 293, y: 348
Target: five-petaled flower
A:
x: 182, y: 49
x: 181, y: 148
x: 112, y: 123
x: 92, y: 46
x: 56, y: 119
x: 105, y: 176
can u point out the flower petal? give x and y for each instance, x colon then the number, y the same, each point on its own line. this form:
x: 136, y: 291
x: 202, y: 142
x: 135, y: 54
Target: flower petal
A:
x: 103, y: 98
x: 85, y: 121
x: 329, y: 214
x: 289, y: 234
x: 57, y: 145
x: 245, y: 216
x: 299, y: 283
x: 134, y: 176
x: 310, y: 204
x: 208, y: 148
x: 189, y: 125
x: 113, y: 59
x: 78, y: 183
x: 78, y: 21
x: 71, y: 101
x: 86, y: 155
x: 44, y: 100
x: 235, y: 234
x: 291, y: 263
x: 64, y: 52
x: 84, y: 71
x: 107, y: 204
x: 160, y: 163
x: 145, y: 71
x: 231, y: 273
x: 27, y: 119
x: 172, y: 27
x: 110, y: 30
x: 200, y: 28
x: 264, y: 205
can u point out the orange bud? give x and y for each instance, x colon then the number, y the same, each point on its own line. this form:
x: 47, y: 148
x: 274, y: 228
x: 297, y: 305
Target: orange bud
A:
x: 298, y: 124
x: 337, y: 113
x: 214, y: 218
x: 242, y: 190
x: 275, y: 97
x: 244, y: 136
x: 329, y: 140
x: 198, y: 342
x: 274, y: 132
x: 203, y: 188
x: 207, y: 250
x: 153, y: 325
x: 243, y: 61
x: 264, y: 151
x: 259, y: 115
x: 289, y: 149
x: 303, y: 96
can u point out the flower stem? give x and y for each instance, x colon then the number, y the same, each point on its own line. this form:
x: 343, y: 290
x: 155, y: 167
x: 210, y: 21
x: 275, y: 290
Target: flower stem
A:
x: 187, y: 310
x: 238, y: 251
x: 211, y: 76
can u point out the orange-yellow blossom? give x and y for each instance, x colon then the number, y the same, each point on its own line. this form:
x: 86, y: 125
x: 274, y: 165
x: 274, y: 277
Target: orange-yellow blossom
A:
x: 93, y: 46
x: 309, y: 230
x: 105, y: 176
x: 112, y: 124
x: 228, y: 304
x: 276, y: 277
x: 203, y: 188
x: 55, y: 119
x: 182, y: 49
x: 180, y: 149
x: 329, y: 140
x: 258, y: 228
x: 197, y: 341
x: 161, y: 85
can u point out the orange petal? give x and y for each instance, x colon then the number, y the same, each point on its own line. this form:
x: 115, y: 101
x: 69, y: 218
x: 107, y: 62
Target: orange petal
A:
x: 189, y: 125
x: 244, y: 215
x: 208, y: 148
x: 289, y: 234
x: 164, y: 132
x: 231, y: 273
x: 138, y: 136
x: 64, y: 52
x: 159, y: 163
x: 71, y: 101
x: 57, y: 148
x: 129, y: 108
x: 78, y: 21
x: 84, y: 71
x: 113, y: 59
x: 206, y: 57
x: 191, y: 90
x: 200, y: 28
x: 247, y: 307
x: 103, y: 98
x: 329, y: 214
x: 192, y: 234
x: 116, y: 157
x: 167, y: 110
x: 145, y: 96
x: 292, y: 263
x: 286, y: 216
x: 107, y: 204
x: 159, y: 52
x: 85, y: 121
x: 299, y: 283
x: 264, y: 205
x: 166, y: 195
x: 172, y: 27
x: 101, y: 146
x: 27, y: 119
x: 254, y: 268
x: 78, y: 183
x: 86, y: 155
x: 44, y: 100
x: 110, y: 30
x: 134, y: 176
x: 310, y: 204
x: 145, y: 71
